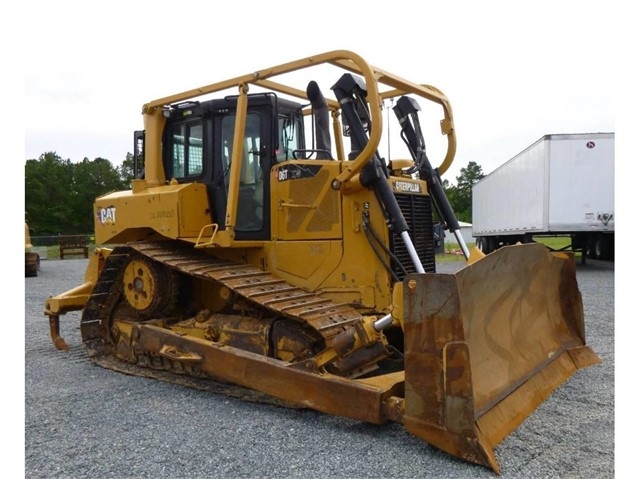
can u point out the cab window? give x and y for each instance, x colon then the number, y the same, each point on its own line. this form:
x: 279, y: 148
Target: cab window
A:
x: 186, y: 150
x: 289, y: 129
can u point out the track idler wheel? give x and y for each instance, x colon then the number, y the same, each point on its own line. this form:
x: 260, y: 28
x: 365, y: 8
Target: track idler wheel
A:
x: 149, y: 287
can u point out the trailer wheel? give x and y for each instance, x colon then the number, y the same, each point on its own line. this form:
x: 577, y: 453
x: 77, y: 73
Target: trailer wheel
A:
x: 598, y: 248
x: 481, y: 244
x: 486, y: 244
x: 590, y: 247
x: 602, y: 249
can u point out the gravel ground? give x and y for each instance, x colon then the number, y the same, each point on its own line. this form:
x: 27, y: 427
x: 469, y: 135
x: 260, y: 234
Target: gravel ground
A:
x: 83, y: 421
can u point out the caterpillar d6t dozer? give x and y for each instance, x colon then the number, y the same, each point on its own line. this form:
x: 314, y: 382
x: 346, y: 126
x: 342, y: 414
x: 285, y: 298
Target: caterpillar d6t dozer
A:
x: 252, y: 250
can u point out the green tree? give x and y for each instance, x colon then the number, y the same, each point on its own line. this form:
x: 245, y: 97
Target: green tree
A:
x: 125, y: 170
x: 48, y: 182
x: 90, y: 180
x: 59, y: 194
x: 460, y: 196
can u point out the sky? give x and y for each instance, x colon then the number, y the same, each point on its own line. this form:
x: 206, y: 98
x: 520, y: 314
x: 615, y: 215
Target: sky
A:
x: 513, y: 71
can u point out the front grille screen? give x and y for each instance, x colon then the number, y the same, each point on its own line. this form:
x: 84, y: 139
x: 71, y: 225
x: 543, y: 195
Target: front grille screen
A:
x: 417, y: 211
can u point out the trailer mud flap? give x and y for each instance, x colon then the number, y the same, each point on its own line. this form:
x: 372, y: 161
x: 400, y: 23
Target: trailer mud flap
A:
x: 485, y: 346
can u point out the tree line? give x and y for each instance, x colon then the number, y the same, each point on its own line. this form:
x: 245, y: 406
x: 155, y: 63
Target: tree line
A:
x: 59, y: 194
x: 460, y: 195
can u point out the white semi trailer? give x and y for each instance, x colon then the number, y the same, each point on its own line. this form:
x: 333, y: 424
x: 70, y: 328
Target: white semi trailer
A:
x: 561, y: 185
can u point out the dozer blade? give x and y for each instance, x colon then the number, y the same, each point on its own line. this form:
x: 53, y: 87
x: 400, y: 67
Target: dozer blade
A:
x: 485, y: 346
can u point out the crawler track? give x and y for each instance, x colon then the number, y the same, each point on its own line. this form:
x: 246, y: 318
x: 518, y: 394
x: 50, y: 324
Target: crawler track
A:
x: 261, y: 288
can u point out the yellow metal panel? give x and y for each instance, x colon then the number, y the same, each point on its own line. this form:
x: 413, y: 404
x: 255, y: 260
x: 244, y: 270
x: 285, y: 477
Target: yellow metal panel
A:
x: 303, y: 203
x: 172, y: 211
x: 307, y: 259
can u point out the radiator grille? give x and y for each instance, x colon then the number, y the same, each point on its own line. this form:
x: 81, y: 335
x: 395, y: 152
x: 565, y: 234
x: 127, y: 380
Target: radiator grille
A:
x: 417, y: 211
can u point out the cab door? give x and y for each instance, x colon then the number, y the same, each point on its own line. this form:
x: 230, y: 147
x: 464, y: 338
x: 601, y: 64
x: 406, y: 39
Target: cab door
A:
x: 253, y: 211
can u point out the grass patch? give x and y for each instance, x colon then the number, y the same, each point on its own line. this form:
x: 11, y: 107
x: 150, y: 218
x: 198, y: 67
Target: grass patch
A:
x: 452, y: 252
x: 53, y: 252
x: 553, y: 242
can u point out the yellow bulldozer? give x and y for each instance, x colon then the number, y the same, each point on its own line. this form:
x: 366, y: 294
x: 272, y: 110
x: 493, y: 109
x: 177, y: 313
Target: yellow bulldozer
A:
x: 31, y: 257
x: 266, y: 244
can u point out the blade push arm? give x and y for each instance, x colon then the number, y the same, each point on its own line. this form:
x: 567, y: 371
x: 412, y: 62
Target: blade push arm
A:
x: 406, y: 111
x: 350, y: 92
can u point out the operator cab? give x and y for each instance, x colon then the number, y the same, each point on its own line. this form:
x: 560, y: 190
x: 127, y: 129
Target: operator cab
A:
x: 198, y: 147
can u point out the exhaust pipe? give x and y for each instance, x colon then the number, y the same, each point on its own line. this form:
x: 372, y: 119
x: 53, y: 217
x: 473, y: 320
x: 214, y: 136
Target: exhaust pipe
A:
x: 322, y: 120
